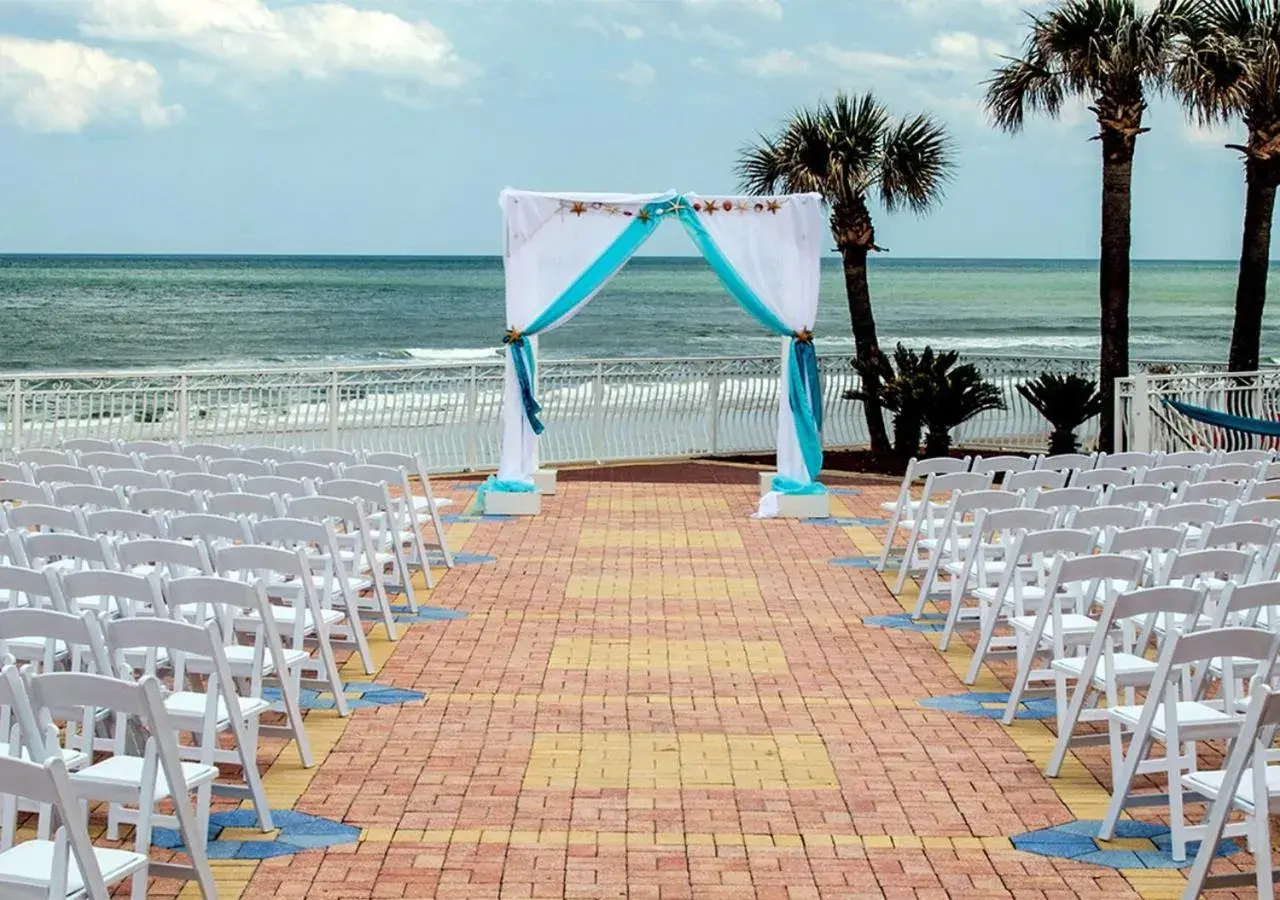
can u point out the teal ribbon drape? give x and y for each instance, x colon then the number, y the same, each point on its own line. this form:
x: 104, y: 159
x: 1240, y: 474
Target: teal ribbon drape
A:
x: 805, y: 394
x: 1262, y: 427
x: 494, y: 483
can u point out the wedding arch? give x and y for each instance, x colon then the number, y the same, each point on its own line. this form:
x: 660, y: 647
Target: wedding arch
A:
x: 561, y: 249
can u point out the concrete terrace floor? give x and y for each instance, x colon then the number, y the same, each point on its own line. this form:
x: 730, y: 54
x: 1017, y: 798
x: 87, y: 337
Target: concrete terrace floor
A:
x: 646, y: 693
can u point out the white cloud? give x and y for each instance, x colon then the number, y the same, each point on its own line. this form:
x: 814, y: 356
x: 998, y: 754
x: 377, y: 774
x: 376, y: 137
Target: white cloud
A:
x: 314, y: 40
x: 630, y: 32
x: 638, y: 74
x: 702, y: 64
x: 776, y: 62
x: 770, y: 9
x: 965, y: 49
x: 1215, y: 136
x: 63, y: 86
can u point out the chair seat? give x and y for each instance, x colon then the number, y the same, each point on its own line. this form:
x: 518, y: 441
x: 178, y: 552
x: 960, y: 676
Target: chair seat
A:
x: 240, y: 659
x: 31, y: 864
x: 1128, y: 669
x: 1209, y: 783
x: 189, y: 706
x: 1178, y: 621
x: 73, y: 758
x: 1032, y: 595
x: 126, y: 772
x: 1073, y: 624
x: 288, y: 615
x: 1194, y: 718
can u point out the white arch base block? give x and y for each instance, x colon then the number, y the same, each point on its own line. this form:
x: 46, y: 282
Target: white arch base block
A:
x: 804, y: 506
x: 501, y: 503
x: 766, y: 482
x: 545, y: 481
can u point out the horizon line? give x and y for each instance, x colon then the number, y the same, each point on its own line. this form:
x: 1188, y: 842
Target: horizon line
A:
x: 498, y: 256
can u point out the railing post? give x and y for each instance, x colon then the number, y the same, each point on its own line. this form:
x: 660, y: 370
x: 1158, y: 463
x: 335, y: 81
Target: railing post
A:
x: 333, y: 408
x: 472, y: 418
x: 1140, y: 413
x: 15, y: 415
x: 597, y: 414
x: 184, y: 410
x: 713, y: 412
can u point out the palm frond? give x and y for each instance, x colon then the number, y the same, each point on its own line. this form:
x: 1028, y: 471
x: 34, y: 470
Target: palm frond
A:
x: 917, y: 159
x: 759, y: 167
x: 1020, y: 86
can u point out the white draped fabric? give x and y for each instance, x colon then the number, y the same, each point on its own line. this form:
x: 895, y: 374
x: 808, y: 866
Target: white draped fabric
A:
x: 778, y: 254
x: 548, y: 245
x: 773, y: 244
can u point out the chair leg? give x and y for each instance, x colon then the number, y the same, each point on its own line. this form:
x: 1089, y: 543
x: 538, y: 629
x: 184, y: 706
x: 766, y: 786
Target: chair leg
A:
x: 908, y: 560
x: 329, y: 672
x: 1177, y: 816
x: 888, y: 538
x: 1121, y: 781
x: 1262, y: 852
x: 926, y: 583
x: 990, y: 618
x: 293, y: 711
x: 1068, y: 716
x: 1026, y: 660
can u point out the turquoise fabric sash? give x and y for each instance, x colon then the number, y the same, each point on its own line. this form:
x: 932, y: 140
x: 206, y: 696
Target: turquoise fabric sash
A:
x: 494, y: 483
x: 805, y: 395
x: 1264, y: 427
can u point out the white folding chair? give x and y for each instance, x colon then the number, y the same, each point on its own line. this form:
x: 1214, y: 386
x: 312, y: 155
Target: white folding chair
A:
x: 1196, y: 516
x: 333, y: 579
x: 984, y: 562
x: 237, y: 466
x: 1003, y: 465
x: 1033, y: 479
x: 132, y: 785
x: 426, y: 506
x: 904, y: 507
x: 1116, y: 661
x: 1022, y: 586
x: 200, y: 482
x: 1259, y: 538
x: 14, y: 472
x: 68, y: 866
x: 1069, y: 462
x: 277, y: 486
x: 1155, y: 543
x: 89, y: 497
x: 123, y: 524
x: 1175, y: 716
x: 1189, y: 458
x: 1241, y: 473
x: 298, y: 618
x: 37, y: 517
x: 208, y: 451
x: 1176, y: 477
x: 215, y: 708
x: 1104, y: 519
x: 131, y: 593
x: 1062, y: 626
x: 171, y: 558
x: 365, y: 564
x: 934, y: 499
x: 1129, y: 460
x: 36, y: 458
x: 129, y: 479
x: 1221, y: 492
x: 172, y: 465
x: 404, y: 518
x: 954, y: 540
x: 213, y: 530
x: 238, y: 503
x: 269, y: 454
x: 239, y: 609
x: 1240, y: 786
x: 55, y: 474
x: 147, y: 448
x: 384, y: 531
x: 22, y: 587
x: 329, y: 457
x: 108, y: 460
x: 164, y: 500
x: 1102, y: 478
x: 310, y: 471
x: 1256, y: 511
x: 89, y: 445
x: 1143, y: 496
x: 1262, y: 490
x: 25, y: 492
x: 1246, y: 457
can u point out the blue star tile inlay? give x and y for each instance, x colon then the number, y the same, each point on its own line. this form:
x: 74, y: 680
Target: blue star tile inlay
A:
x: 844, y: 491
x: 295, y: 832
x: 831, y: 522
x: 904, y: 622
x: 427, y: 614
x: 436, y: 558
x: 863, y: 562
x: 472, y: 519
x: 360, y: 695
x: 469, y: 487
x: 991, y: 705
x: 1078, y: 840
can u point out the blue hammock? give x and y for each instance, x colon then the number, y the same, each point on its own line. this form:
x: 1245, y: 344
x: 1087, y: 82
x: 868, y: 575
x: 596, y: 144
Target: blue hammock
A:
x: 1264, y: 427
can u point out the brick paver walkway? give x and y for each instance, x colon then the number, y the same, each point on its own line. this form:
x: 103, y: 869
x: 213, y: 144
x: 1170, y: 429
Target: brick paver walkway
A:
x: 653, y: 695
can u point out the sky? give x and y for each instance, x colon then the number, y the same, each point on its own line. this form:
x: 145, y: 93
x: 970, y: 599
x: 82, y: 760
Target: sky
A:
x: 390, y: 126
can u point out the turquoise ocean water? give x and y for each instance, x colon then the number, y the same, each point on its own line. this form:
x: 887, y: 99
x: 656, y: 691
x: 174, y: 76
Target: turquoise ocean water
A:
x: 80, y: 312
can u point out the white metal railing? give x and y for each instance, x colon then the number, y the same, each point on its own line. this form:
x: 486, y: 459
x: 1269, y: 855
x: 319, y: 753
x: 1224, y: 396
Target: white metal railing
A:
x: 595, y: 410
x: 1144, y: 422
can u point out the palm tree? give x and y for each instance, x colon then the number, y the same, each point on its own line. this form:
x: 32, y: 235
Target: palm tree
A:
x: 1229, y: 70
x: 848, y: 150
x: 1112, y: 55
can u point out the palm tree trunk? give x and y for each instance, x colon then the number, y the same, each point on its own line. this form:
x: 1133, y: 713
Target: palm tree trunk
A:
x: 1255, y: 260
x: 866, y: 343
x: 1113, y: 275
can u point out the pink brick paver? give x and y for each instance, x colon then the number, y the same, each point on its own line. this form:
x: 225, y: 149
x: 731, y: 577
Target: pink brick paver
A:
x: 655, y: 696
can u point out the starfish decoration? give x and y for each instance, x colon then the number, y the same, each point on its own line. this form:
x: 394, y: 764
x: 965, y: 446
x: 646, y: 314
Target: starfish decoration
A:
x: 773, y: 206
x: 709, y: 207
x: 740, y: 206
x: 677, y: 206
x: 644, y: 215
x: 578, y: 208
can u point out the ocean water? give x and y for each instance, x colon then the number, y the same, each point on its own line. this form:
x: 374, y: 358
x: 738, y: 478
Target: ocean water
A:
x: 83, y: 312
